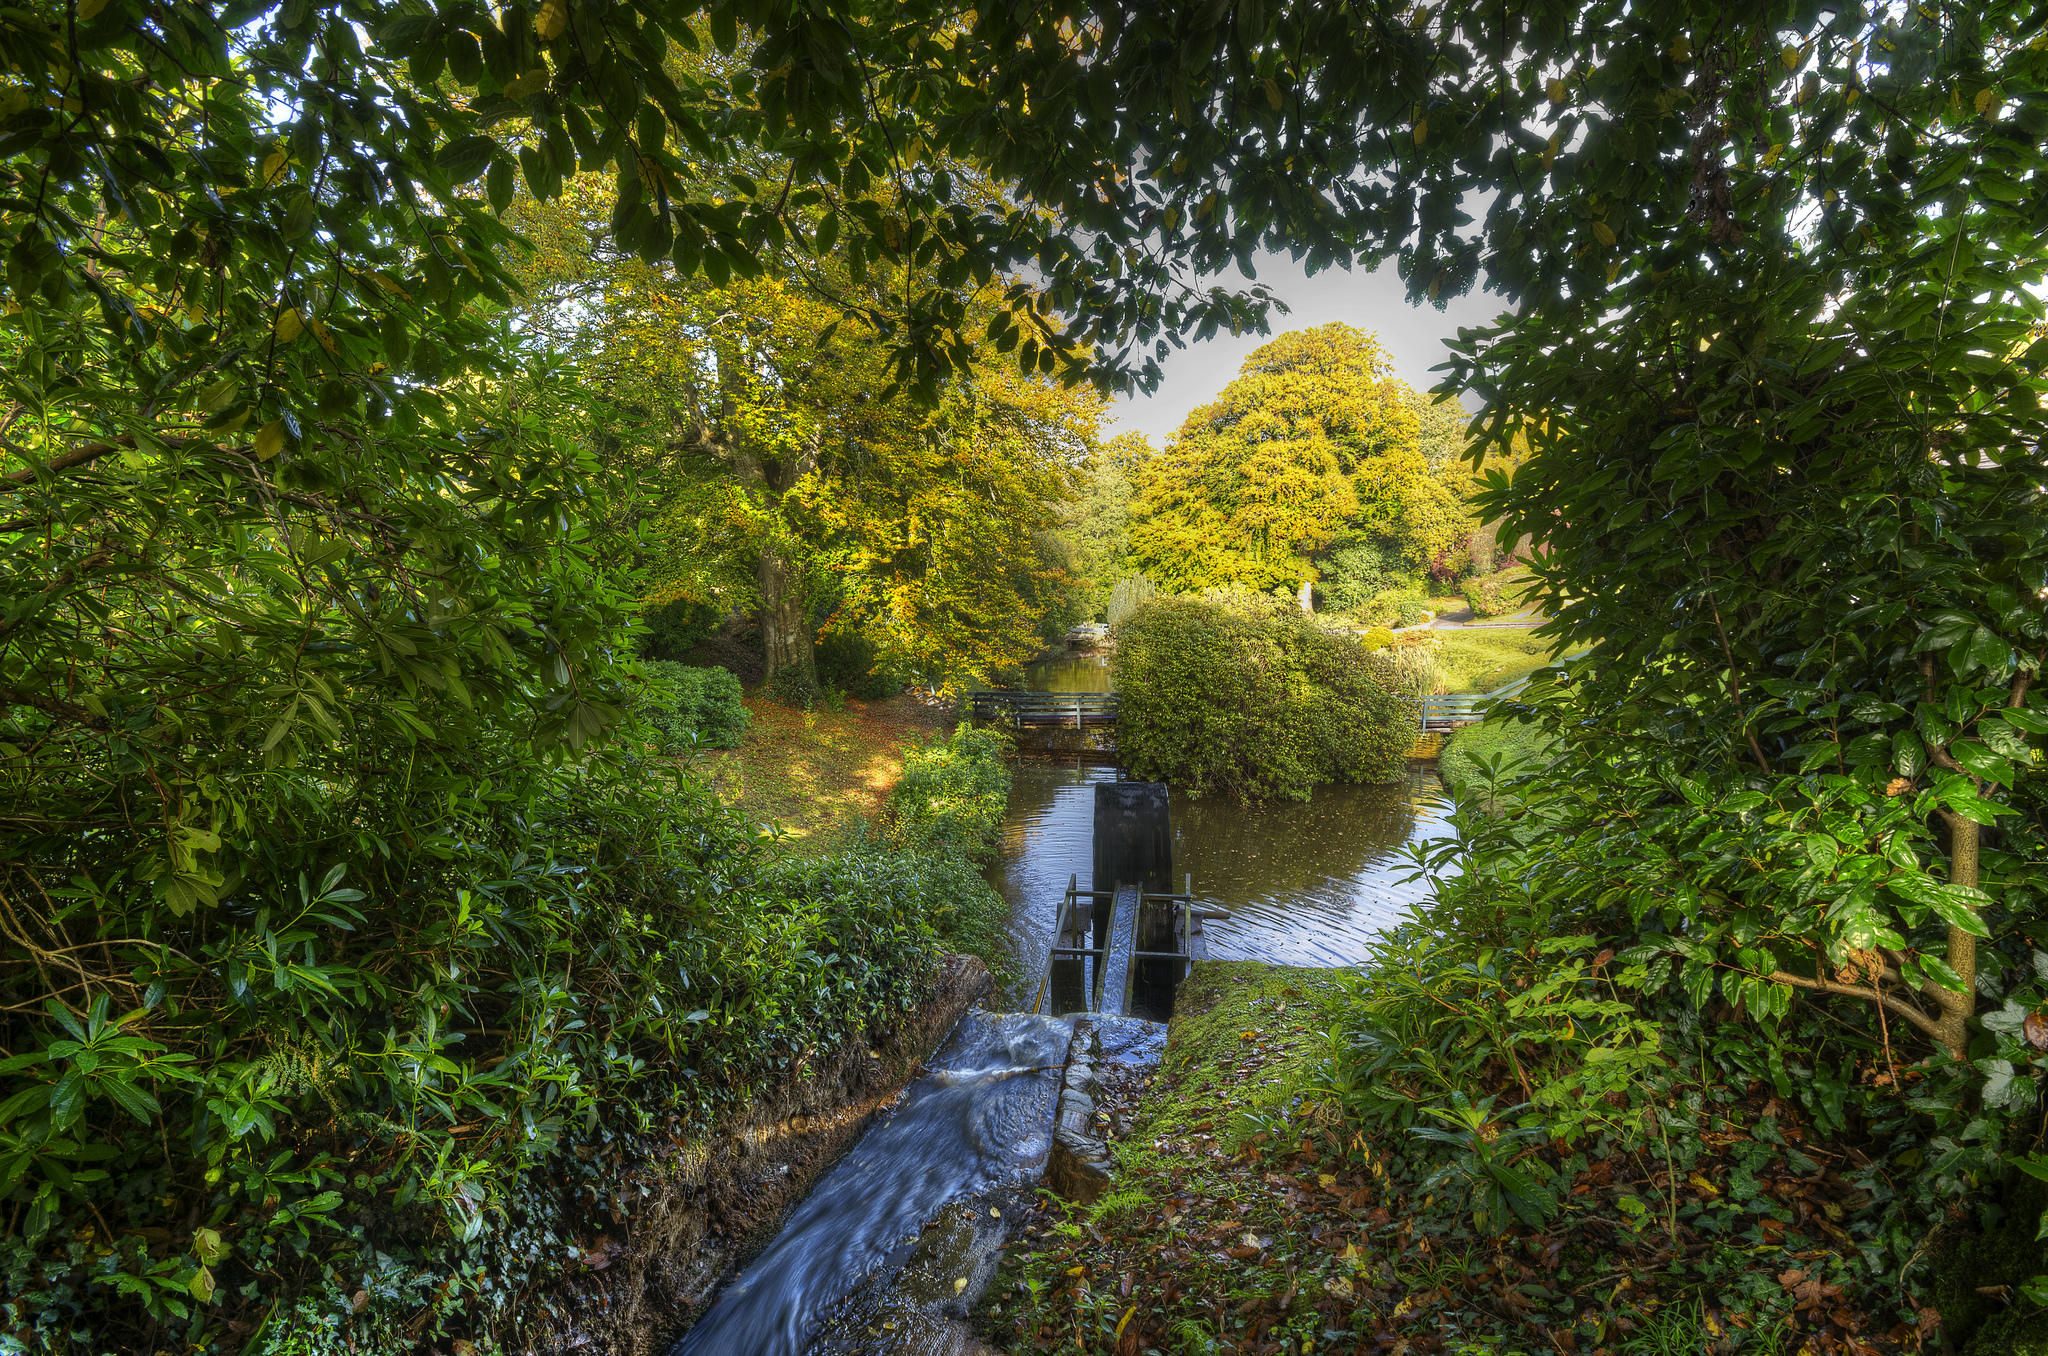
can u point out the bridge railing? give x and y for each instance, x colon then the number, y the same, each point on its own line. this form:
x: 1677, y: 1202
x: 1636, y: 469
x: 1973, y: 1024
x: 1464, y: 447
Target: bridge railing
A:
x: 1441, y: 709
x: 1070, y: 710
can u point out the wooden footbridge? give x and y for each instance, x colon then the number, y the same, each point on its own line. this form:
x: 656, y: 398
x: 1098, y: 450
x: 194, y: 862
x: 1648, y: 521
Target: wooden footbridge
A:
x: 1043, y: 710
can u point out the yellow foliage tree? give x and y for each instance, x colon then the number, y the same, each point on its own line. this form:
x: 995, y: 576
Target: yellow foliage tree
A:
x: 1314, y: 444
x: 780, y: 469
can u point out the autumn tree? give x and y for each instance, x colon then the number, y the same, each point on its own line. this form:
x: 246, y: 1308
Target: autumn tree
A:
x: 780, y: 466
x: 1314, y: 444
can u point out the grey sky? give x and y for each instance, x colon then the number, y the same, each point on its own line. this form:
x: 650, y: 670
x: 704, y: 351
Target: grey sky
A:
x: 1376, y: 301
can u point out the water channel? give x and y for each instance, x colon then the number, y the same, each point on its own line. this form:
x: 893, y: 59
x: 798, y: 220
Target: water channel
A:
x: 1305, y: 884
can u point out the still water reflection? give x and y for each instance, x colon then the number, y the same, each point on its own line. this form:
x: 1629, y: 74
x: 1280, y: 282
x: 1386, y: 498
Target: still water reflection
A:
x: 1309, y: 884
x: 1068, y: 673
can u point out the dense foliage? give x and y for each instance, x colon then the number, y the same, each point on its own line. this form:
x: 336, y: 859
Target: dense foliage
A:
x: 343, y: 944
x: 777, y: 474
x: 1254, y: 701
x: 952, y: 794
x: 690, y: 707
x: 1471, y: 752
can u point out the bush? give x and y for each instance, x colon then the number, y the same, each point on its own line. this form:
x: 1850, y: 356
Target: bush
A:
x: 615, y: 959
x: 1405, y: 606
x: 794, y: 686
x: 692, y: 707
x: 850, y: 662
x: 1497, y: 595
x: 1378, y: 638
x: 952, y: 794
x: 1356, y: 574
x: 1257, y: 703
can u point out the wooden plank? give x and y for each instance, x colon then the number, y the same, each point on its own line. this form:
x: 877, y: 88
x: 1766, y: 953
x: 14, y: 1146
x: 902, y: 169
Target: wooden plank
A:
x: 1113, y: 981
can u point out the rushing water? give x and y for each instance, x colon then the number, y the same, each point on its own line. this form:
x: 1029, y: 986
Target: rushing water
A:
x: 981, y: 1119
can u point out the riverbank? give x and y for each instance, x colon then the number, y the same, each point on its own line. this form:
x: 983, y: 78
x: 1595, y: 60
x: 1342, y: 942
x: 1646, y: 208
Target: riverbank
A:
x: 818, y: 774
x: 1249, y: 1214
x: 705, y: 1207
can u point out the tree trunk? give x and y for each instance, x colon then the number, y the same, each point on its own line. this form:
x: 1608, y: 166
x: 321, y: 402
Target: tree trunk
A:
x: 1963, y: 836
x: 785, y: 627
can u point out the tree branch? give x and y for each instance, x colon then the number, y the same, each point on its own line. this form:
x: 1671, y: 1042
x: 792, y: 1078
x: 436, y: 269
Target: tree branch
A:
x: 1930, y: 1025
x: 63, y: 461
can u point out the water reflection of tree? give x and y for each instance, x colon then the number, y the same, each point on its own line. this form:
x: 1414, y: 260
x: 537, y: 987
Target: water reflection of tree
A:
x: 1307, y: 852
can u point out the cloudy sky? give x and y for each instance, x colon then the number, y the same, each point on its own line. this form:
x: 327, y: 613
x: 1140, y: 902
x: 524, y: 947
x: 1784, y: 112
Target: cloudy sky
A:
x: 1414, y: 335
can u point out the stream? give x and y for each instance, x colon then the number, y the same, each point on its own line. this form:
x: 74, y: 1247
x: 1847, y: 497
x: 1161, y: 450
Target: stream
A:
x: 1306, y: 882
x: 879, y: 1255
x: 980, y: 1119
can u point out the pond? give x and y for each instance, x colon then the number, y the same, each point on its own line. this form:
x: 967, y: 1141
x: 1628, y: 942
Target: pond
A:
x: 1307, y: 883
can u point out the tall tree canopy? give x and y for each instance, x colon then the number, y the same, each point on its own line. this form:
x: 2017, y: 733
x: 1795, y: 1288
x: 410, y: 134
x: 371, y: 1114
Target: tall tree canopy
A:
x: 777, y: 470
x: 1315, y: 443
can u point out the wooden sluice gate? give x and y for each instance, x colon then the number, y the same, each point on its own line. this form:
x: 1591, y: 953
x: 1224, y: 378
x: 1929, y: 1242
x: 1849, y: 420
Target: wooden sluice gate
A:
x: 1124, y: 946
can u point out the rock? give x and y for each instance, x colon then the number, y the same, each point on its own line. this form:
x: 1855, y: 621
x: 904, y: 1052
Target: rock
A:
x: 1079, y: 1165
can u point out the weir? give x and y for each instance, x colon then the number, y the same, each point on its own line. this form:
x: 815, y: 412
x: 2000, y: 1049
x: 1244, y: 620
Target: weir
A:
x: 977, y: 1129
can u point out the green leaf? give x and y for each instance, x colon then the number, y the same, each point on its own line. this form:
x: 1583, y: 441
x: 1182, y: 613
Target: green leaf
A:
x: 500, y: 184
x: 465, y: 157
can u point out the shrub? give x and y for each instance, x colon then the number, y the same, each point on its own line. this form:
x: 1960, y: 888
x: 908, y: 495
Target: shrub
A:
x: 952, y: 794
x: 617, y: 958
x: 794, y: 686
x: 1497, y: 594
x: 1378, y: 638
x: 1356, y: 574
x: 1404, y: 606
x: 675, y: 628
x: 851, y: 662
x: 691, y: 707
x: 1257, y: 703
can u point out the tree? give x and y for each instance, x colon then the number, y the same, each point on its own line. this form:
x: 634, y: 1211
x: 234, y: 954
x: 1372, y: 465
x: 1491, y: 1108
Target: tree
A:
x: 1314, y: 445
x: 773, y: 456
x: 1097, y: 522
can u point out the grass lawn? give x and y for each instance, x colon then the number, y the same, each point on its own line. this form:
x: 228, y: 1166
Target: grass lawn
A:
x: 1480, y: 659
x: 819, y: 773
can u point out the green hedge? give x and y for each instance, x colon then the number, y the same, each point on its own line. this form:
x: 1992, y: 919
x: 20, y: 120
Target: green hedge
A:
x: 1258, y: 702
x: 691, y: 707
